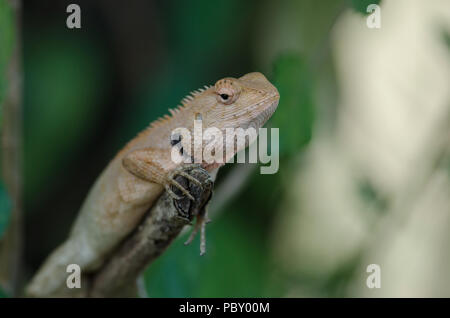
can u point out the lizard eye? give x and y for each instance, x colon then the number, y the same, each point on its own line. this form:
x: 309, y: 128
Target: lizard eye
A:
x: 227, y: 91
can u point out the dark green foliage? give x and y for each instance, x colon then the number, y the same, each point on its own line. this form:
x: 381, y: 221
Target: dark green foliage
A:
x: 295, y: 114
x: 5, y: 209
x: 3, y: 293
x: 361, y: 5
x: 6, y: 44
x: 234, y: 265
x: 65, y: 80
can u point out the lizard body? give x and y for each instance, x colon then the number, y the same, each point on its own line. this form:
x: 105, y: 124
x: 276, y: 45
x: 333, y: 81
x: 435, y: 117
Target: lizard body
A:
x: 139, y: 173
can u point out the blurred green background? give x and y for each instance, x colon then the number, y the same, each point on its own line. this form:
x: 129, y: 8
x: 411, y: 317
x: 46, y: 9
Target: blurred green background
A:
x: 88, y: 91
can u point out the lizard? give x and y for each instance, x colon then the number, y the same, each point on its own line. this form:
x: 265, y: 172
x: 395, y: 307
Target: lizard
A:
x: 140, y: 172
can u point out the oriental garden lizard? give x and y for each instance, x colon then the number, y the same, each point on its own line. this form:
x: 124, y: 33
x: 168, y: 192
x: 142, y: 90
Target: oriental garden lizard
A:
x: 144, y: 168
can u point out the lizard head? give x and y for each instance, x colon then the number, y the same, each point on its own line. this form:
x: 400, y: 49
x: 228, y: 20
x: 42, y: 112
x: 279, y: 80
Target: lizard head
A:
x: 243, y: 102
x: 246, y: 102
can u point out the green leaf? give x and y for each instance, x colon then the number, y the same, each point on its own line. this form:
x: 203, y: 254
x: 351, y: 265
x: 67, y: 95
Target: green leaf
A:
x: 295, y: 113
x: 5, y: 209
x: 361, y: 5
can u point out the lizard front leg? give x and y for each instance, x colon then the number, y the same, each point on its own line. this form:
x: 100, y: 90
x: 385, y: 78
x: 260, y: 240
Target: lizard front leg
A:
x: 155, y: 165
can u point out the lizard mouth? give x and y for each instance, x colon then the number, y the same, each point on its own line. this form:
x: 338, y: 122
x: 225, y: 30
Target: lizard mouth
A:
x: 262, y: 117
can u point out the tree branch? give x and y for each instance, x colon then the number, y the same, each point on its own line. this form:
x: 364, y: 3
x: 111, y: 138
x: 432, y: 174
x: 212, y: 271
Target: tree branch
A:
x: 118, y: 276
x: 161, y: 225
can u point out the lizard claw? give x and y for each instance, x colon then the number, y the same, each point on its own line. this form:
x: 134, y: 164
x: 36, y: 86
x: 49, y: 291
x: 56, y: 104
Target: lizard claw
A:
x: 176, y: 184
x: 179, y: 187
x: 189, y: 177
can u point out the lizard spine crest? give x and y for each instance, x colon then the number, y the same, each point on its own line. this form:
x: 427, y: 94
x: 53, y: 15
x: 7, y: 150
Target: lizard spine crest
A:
x: 184, y: 103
